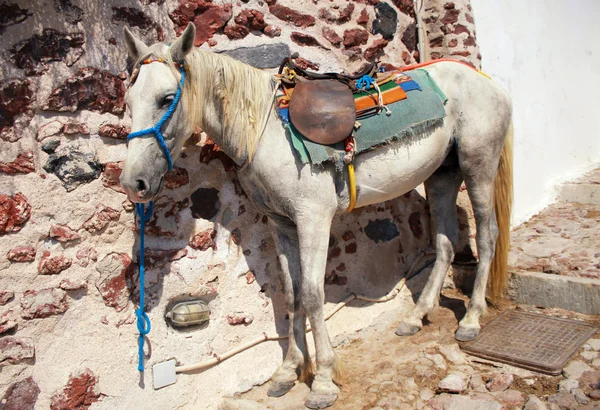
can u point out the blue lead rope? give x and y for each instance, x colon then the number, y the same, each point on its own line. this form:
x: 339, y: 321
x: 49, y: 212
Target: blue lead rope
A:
x: 143, y: 321
x: 156, y: 129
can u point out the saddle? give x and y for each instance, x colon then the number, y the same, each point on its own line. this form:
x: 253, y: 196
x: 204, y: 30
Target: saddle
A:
x: 321, y: 106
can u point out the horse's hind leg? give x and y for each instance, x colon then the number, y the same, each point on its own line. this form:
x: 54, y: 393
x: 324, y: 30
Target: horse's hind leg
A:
x: 297, y: 360
x: 442, y: 188
x: 480, y: 185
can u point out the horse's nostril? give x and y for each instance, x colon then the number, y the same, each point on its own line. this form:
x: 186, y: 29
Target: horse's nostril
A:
x: 141, y: 186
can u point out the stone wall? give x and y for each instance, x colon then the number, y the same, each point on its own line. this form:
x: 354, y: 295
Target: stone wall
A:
x: 68, y: 240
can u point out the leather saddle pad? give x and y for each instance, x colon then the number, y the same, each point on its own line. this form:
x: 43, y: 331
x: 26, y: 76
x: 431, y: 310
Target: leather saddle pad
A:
x: 322, y: 110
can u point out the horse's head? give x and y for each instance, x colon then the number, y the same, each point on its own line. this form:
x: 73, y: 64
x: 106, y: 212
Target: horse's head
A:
x: 157, y: 113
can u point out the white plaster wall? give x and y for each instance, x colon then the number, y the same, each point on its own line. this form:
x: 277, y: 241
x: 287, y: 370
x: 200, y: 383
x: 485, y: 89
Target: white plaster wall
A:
x: 545, y: 54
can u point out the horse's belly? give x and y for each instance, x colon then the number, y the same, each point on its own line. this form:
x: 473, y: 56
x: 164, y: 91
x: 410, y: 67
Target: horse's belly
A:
x: 399, y: 167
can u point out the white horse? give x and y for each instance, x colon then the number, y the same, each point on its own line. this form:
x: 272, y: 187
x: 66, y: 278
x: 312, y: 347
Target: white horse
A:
x: 233, y: 103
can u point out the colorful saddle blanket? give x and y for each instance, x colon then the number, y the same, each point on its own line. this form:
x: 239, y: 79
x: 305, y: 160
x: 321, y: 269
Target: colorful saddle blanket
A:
x: 415, y: 102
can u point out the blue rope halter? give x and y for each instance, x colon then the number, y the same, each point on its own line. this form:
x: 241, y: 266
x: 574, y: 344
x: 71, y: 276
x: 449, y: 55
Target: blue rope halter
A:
x: 143, y: 321
x: 156, y: 129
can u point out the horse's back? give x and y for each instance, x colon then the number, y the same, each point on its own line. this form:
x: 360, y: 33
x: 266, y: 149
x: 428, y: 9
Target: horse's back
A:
x: 477, y: 112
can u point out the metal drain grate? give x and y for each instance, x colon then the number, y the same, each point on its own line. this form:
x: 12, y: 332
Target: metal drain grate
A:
x: 531, y: 341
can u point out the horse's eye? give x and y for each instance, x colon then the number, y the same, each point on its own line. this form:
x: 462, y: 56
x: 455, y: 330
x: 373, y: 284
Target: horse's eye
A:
x: 168, y: 99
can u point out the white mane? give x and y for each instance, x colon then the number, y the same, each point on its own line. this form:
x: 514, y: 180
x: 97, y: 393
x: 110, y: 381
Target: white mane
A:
x: 242, y: 93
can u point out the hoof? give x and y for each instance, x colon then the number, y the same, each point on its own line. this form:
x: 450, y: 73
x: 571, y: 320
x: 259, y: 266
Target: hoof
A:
x: 278, y: 389
x: 466, y: 334
x: 320, y: 400
x: 406, y: 329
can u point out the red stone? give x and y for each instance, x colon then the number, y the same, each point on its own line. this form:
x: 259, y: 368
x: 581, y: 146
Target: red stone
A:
x: 363, y: 18
x: 355, y: 37
x: 292, y: 16
x: 451, y: 16
x: 436, y: 42
x: 353, y: 53
x: 334, y: 253
x: 305, y: 40
x: 469, y: 42
x: 89, y: 89
x: 459, y: 29
x: 115, y: 282
x: 12, y: 14
x: 346, y: 14
x: 53, y: 265
x: 253, y: 19
x: 85, y: 255
x: 6, y: 296
x: 204, y: 240
x: 469, y: 18
x: 326, y: 14
x: 63, y: 233
x: 331, y: 36
x: 15, y: 350
x: 14, y: 212
x: 375, y: 50
x: 16, y: 97
x: 209, y: 18
x: 101, y: 219
x: 33, y: 54
x: 6, y: 324
x: 414, y: 222
x: 211, y: 151
x: 452, y: 42
x: 137, y: 18
x: 240, y: 318
x: 116, y: 131
x: 21, y: 395
x: 305, y: 64
x: 348, y: 235
x: 461, y: 53
x: 74, y: 127
x: 21, y: 254
x: 236, y: 32
x: 23, y: 164
x: 449, y: 6
x: 335, y: 279
x: 405, y: 6
x: 272, y: 31
x: 67, y: 284
x: 177, y: 177
x: 111, y: 174
x: 351, y: 248
x: 79, y: 393
x: 43, y: 303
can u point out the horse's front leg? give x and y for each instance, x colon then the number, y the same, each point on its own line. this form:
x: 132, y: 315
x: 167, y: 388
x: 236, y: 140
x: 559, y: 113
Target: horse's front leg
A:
x: 297, y: 360
x: 313, y: 237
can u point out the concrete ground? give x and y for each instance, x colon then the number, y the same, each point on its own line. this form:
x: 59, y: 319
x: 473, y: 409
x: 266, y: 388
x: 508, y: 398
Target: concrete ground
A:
x: 429, y: 371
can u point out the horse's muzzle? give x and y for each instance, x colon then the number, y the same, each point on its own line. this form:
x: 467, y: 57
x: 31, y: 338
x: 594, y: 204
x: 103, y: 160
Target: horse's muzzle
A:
x: 139, y: 189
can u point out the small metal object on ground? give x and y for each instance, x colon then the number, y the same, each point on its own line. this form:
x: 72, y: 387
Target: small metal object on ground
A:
x: 531, y: 341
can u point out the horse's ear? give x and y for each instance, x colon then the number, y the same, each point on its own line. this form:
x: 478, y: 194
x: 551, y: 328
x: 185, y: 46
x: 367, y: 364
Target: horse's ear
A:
x: 184, y: 44
x: 135, y: 46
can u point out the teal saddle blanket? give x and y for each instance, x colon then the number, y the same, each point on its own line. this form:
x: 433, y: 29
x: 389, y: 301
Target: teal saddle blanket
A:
x: 421, y: 109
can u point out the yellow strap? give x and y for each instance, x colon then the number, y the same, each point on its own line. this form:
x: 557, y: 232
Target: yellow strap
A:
x: 352, y: 183
x: 484, y: 74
